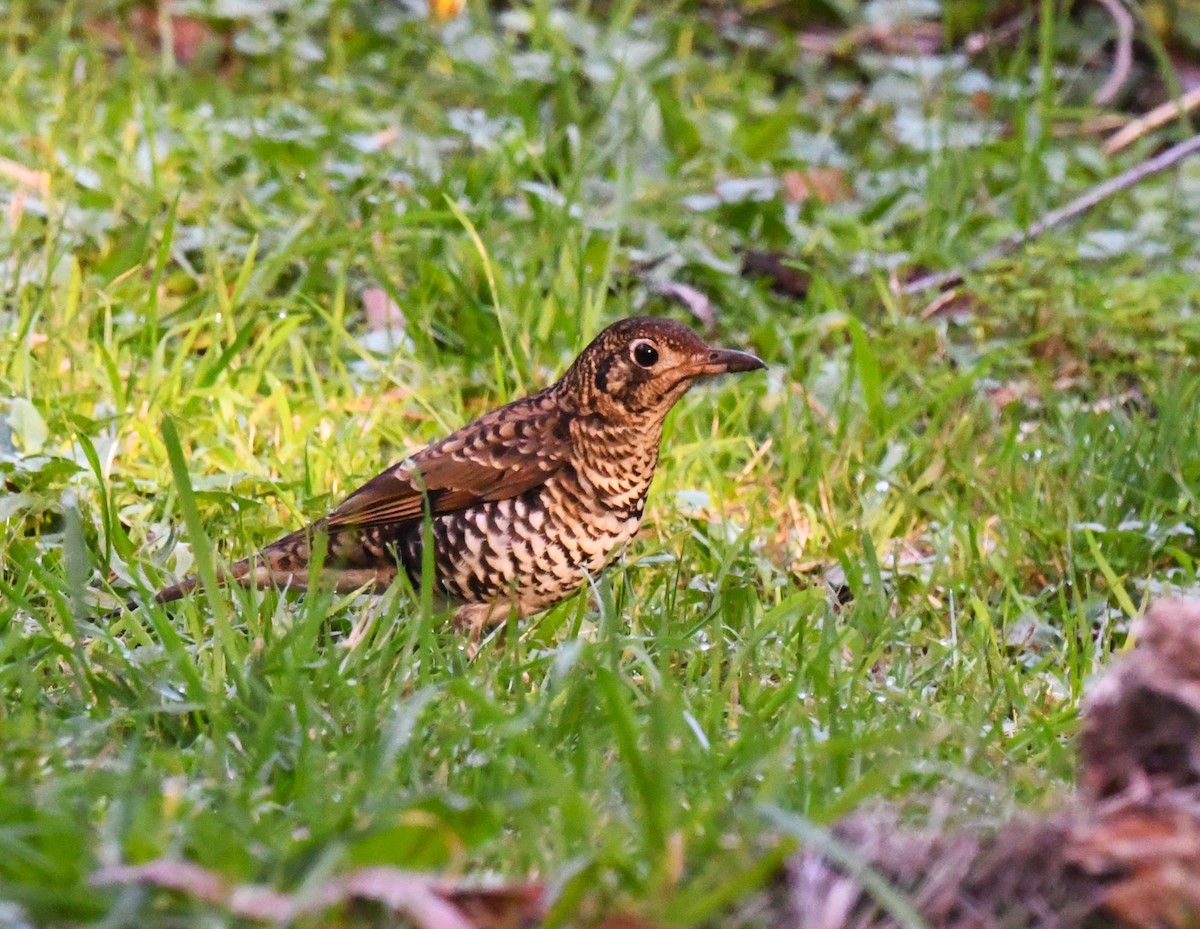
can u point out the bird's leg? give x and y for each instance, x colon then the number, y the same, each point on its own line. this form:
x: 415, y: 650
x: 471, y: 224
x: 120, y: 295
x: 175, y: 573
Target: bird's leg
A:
x: 474, y: 618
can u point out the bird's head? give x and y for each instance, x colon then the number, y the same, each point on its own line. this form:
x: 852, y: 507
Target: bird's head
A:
x: 638, y: 368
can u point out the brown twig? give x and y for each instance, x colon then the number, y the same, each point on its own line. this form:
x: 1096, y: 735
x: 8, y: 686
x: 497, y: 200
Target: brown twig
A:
x: 1080, y: 205
x: 1123, y: 58
x: 1157, y: 117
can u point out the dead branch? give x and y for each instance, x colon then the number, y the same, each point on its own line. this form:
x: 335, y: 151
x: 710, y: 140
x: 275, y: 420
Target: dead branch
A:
x: 1122, y: 58
x: 1155, y: 119
x: 1092, y: 198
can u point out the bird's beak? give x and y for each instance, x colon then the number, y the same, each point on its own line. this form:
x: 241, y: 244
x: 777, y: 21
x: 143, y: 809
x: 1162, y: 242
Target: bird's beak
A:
x: 727, y: 361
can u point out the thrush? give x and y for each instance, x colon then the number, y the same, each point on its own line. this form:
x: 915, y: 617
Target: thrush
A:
x: 522, y: 505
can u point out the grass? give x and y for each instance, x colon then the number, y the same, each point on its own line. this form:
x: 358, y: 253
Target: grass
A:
x: 185, y: 372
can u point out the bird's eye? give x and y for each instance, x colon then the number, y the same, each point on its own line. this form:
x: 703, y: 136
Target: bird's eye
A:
x: 645, y: 354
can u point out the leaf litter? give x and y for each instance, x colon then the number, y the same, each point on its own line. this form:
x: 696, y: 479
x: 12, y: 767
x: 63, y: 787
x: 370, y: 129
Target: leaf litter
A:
x: 1125, y: 851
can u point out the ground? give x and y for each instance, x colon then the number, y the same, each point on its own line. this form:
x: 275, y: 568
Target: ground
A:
x: 253, y: 256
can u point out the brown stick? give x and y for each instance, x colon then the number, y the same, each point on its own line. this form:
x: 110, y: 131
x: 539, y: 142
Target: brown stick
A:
x: 1080, y: 205
x: 1123, y: 59
x: 1157, y: 117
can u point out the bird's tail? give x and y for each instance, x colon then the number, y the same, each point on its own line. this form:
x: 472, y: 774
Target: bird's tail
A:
x: 286, y: 564
x: 281, y: 564
x: 237, y: 573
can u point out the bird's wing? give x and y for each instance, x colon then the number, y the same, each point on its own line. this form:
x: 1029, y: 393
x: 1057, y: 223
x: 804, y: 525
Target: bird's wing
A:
x: 501, y: 455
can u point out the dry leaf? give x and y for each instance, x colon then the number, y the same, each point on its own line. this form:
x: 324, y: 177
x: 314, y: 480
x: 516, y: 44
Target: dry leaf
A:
x: 427, y: 902
x: 1127, y: 856
x: 192, y: 40
x: 825, y: 185
x: 381, y: 310
x: 1007, y: 394
x: 513, y: 906
x: 784, y: 279
x: 179, y: 876
x: 954, y: 304
x: 29, y: 178
x: 688, y: 296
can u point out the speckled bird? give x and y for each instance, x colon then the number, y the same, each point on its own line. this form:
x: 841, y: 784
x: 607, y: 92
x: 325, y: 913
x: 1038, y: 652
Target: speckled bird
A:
x: 522, y: 505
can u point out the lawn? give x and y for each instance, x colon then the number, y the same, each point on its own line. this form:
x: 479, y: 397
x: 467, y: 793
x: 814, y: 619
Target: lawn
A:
x: 250, y: 258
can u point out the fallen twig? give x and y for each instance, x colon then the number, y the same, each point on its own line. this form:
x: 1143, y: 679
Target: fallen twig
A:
x: 428, y: 902
x: 1080, y: 205
x: 1156, y: 118
x: 1123, y: 58
x: 38, y: 181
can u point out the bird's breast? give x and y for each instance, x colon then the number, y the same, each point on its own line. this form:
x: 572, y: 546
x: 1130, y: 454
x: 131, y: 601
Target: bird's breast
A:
x: 614, y: 466
x: 541, y: 545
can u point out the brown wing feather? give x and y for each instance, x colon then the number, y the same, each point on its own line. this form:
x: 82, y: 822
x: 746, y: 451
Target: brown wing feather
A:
x: 500, y: 455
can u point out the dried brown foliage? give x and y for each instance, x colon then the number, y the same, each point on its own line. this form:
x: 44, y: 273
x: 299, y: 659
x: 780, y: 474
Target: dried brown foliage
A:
x: 1125, y: 853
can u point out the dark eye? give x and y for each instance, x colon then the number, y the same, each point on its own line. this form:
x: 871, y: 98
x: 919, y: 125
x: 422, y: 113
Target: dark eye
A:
x: 645, y: 354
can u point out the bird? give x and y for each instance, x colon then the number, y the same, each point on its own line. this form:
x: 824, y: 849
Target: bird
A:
x: 524, y: 504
